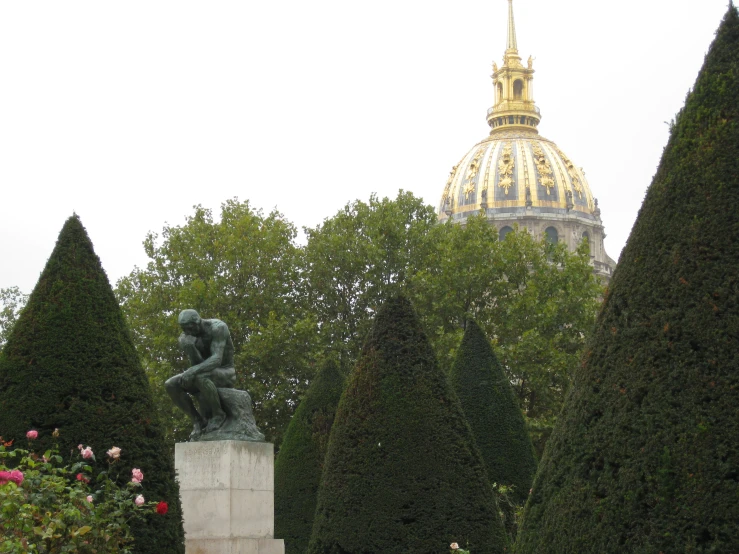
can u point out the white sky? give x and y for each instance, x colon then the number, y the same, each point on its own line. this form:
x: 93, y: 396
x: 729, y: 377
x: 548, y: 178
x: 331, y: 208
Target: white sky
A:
x: 130, y: 113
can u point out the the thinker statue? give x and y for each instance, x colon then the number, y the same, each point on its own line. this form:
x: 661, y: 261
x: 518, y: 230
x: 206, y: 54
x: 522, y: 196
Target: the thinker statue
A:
x: 224, y: 413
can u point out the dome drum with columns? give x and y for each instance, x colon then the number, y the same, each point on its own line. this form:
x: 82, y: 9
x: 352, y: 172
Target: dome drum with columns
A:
x: 517, y: 177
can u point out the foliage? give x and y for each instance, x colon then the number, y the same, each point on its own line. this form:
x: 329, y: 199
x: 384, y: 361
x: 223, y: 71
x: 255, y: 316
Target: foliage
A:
x: 245, y: 270
x: 63, y: 508
x: 287, y: 305
x: 495, y: 418
x: 536, y: 301
x: 645, y: 455
x: 12, y: 301
x: 402, y: 473
x: 69, y: 363
x: 299, y: 464
x: 356, y: 258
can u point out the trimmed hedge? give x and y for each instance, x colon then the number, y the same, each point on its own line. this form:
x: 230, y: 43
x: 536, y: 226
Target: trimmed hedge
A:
x: 645, y: 457
x: 299, y: 463
x: 402, y: 473
x: 493, y: 413
x: 69, y: 363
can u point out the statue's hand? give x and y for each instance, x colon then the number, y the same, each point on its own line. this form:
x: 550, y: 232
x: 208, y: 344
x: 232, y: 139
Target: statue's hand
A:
x: 187, y: 379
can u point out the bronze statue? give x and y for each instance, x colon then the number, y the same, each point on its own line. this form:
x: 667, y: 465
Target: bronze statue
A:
x: 224, y: 413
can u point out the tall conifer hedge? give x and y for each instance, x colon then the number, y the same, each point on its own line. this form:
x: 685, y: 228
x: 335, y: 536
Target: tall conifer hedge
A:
x: 299, y: 463
x: 402, y: 473
x: 645, y: 457
x: 69, y: 363
x: 493, y: 413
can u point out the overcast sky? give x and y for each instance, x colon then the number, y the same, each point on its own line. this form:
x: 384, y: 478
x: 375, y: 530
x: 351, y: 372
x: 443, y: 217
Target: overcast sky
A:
x: 130, y: 113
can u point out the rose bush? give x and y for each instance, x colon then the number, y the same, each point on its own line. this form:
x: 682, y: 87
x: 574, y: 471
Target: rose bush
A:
x: 48, y: 507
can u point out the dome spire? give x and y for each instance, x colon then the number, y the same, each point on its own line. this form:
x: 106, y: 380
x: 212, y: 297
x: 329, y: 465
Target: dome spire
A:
x: 514, y: 88
x: 512, y: 45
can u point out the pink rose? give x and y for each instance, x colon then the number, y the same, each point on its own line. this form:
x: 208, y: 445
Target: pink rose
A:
x: 454, y: 546
x: 31, y: 435
x: 139, y: 500
x: 114, y: 453
x: 16, y: 476
x: 4, y: 477
x: 137, y: 475
x: 80, y: 447
x: 87, y: 453
x: 89, y: 498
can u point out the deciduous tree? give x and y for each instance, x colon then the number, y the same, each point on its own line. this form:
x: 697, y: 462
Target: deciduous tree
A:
x: 244, y: 269
x: 12, y: 301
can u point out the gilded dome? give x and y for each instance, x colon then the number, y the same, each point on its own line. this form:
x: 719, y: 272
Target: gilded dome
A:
x: 516, y: 177
x: 514, y: 169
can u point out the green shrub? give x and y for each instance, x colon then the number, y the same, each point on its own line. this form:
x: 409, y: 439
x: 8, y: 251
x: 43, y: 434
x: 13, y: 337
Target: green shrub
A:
x: 645, y: 456
x: 402, y: 473
x: 69, y: 363
x: 496, y: 420
x: 299, y: 462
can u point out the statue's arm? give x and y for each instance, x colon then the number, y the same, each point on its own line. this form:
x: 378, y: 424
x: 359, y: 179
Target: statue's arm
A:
x: 217, y: 349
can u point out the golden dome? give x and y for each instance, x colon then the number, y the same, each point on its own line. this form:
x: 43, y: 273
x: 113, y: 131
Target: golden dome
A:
x: 516, y: 177
x: 516, y: 169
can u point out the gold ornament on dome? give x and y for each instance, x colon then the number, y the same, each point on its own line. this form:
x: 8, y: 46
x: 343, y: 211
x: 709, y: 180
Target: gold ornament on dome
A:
x: 574, y: 177
x: 505, y: 167
x: 445, y: 197
x: 472, y: 171
x: 545, y: 170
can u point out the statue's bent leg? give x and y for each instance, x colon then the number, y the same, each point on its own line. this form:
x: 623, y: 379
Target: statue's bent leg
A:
x: 210, y: 403
x: 183, y: 401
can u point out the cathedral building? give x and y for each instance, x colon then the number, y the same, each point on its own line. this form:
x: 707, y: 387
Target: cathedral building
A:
x: 517, y: 177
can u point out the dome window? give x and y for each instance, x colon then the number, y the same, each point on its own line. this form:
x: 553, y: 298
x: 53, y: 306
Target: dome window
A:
x: 500, y: 92
x: 552, y: 235
x: 518, y: 89
x: 586, y: 237
x: 504, y: 232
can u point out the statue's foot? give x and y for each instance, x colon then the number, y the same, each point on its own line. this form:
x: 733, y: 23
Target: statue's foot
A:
x: 197, y: 430
x: 215, y: 423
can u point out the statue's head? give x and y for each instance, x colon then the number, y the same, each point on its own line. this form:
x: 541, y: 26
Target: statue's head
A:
x: 190, y: 322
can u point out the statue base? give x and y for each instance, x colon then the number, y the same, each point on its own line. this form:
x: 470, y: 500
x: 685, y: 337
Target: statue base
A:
x: 227, y: 491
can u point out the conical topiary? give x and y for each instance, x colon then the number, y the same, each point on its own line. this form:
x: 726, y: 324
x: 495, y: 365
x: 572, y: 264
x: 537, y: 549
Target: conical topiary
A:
x: 69, y: 363
x: 493, y: 413
x: 645, y: 457
x: 299, y: 463
x: 402, y: 473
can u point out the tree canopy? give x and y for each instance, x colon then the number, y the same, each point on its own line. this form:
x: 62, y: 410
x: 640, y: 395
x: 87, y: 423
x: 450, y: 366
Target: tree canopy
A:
x: 645, y: 457
x: 534, y: 300
x: 287, y: 303
x: 12, y: 301
x: 244, y: 269
x: 70, y: 364
x: 402, y: 472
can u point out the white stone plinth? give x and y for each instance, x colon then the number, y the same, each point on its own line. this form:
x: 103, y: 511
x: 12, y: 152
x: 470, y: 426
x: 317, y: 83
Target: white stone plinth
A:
x: 227, y: 490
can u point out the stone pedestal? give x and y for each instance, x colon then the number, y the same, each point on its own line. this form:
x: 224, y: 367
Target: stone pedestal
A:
x: 227, y: 490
